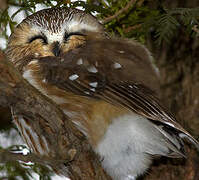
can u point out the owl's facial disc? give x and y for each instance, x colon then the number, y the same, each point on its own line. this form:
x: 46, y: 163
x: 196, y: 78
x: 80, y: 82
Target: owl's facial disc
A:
x: 50, y: 32
x: 69, y: 37
x: 56, y: 44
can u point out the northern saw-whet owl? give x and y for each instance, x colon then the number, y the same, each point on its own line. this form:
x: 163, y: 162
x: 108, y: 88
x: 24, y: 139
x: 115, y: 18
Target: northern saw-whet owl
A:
x: 104, y: 85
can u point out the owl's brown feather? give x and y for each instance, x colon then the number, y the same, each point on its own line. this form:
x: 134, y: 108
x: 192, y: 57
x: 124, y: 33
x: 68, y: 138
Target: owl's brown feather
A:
x: 116, y: 71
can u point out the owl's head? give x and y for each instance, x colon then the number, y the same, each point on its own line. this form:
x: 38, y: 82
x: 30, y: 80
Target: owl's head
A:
x: 51, y: 32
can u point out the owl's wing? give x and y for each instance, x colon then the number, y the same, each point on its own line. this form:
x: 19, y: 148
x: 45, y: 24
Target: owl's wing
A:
x: 117, y: 71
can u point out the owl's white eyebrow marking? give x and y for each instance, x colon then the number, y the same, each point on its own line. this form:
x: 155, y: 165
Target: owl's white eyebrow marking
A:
x: 92, y: 69
x: 52, y: 37
x: 121, y: 52
x: 79, y: 61
x: 73, y: 77
x: 75, y: 25
x: 93, y: 84
x: 117, y: 65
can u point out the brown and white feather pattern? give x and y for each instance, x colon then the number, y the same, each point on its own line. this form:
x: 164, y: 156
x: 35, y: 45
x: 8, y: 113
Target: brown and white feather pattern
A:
x: 37, y: 144
x: 106, y: 86
x: 121, y: 79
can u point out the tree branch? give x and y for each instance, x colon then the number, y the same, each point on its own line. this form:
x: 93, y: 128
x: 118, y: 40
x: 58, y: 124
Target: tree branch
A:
x: 66, y: 142
x: 127, y: 30
x: 110, y: 18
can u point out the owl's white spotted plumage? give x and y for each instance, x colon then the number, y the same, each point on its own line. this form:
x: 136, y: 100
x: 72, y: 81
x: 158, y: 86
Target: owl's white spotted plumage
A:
x: 104, y: 85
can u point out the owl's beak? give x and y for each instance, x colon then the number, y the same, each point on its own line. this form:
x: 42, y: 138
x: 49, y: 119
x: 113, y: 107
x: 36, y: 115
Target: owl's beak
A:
x: 56, y: 50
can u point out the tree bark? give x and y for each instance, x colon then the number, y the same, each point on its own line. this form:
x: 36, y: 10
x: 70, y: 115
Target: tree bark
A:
x: 68, y: 145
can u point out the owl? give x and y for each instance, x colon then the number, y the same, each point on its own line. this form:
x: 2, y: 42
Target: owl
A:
x: 106, y: 86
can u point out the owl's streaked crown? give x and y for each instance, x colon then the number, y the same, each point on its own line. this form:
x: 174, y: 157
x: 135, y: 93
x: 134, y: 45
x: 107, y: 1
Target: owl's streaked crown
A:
x: 55, y: 22
x: 49, y: 26
x: 59, y: 21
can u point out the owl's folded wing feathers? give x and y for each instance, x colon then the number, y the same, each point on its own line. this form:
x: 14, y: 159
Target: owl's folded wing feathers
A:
x: 117, y: 71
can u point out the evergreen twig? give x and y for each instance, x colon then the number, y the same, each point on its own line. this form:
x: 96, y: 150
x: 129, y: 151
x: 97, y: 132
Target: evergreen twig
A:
x: 126, y: 8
